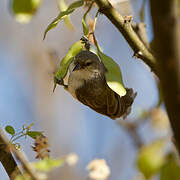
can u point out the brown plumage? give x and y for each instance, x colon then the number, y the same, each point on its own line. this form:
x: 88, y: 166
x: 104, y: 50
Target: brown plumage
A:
x: 87, y: 84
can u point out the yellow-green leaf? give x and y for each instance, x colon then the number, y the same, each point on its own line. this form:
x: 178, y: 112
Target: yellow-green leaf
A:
x: 65, y: 62
x: 113, y: 75
x: 171, y: 170
x: 10, y: 130
x: 48, y: 164
x: 64, y: 7
x: 151, y: 158
x: 19, y: 177
x: 62, y: 15
x: 24, y: 10
x: 34, y: 134
x: 85, y: 27
x: 56, y: 21
x: 76, y: 4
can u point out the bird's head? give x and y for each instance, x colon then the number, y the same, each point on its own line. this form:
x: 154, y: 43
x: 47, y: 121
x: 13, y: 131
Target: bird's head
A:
x: 88, y: 62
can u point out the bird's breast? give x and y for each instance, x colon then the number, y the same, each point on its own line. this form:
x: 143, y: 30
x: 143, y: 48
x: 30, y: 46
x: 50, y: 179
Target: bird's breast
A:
x: 84, y: 81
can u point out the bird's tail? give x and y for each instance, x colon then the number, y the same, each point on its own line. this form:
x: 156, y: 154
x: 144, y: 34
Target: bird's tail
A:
x: 128, y: 100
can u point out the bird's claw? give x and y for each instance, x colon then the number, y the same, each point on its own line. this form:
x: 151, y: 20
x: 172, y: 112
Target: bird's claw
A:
x: 59, y: 81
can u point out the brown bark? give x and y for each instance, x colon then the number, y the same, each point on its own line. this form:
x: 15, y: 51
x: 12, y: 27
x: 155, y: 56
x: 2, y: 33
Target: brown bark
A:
x: 167, y: 52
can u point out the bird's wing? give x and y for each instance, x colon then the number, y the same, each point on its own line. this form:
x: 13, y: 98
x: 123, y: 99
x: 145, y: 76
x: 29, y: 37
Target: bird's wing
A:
x: 96, y: 103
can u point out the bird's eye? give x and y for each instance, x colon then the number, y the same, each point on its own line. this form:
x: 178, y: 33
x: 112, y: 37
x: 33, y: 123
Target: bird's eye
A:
x: 88, y: 63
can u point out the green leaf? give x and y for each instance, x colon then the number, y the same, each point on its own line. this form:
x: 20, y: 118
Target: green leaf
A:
x: 34, y: 134
x: 85, y: 27
x: 65, y: 62
x: 62, y: 15
x: 113, y: 75
x: 171, y: 170
x: 10, y: 130
x: 76, y: 4
x: 56, y: 21
x: 20, y: 177
x: 24, y: 10
x: 48, y: 164
x: 64, y: 7
x: 151, y: 158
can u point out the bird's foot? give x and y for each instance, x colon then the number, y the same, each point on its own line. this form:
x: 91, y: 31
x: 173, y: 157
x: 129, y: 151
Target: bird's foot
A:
x: 60, y: 82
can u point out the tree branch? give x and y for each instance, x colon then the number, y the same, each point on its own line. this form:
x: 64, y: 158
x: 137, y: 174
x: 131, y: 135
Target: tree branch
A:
x: 127, y: 31
x: 167, y: 51
x: 132, y: 130
x: 140, y: 29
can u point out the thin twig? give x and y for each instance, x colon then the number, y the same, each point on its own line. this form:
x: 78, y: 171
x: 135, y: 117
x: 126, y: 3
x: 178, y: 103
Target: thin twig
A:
x: 89, y: 8
x: 95, y: 21
x: 132, y: 129
x: 93, y: 30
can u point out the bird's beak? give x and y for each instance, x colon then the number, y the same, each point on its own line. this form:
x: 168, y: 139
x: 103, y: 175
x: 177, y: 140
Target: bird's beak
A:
x: 77, y: 67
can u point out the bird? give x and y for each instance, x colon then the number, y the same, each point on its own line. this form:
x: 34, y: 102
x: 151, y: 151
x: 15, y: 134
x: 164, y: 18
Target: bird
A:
x: 87, y: 83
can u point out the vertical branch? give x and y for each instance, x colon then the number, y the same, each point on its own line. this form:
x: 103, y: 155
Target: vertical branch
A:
x: 167, y: 52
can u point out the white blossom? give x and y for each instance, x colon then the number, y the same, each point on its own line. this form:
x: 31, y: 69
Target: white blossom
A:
x: 98, y: 169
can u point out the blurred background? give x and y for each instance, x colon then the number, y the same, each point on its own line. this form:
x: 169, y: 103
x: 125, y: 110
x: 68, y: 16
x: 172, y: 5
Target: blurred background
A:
x: 27, y: 64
